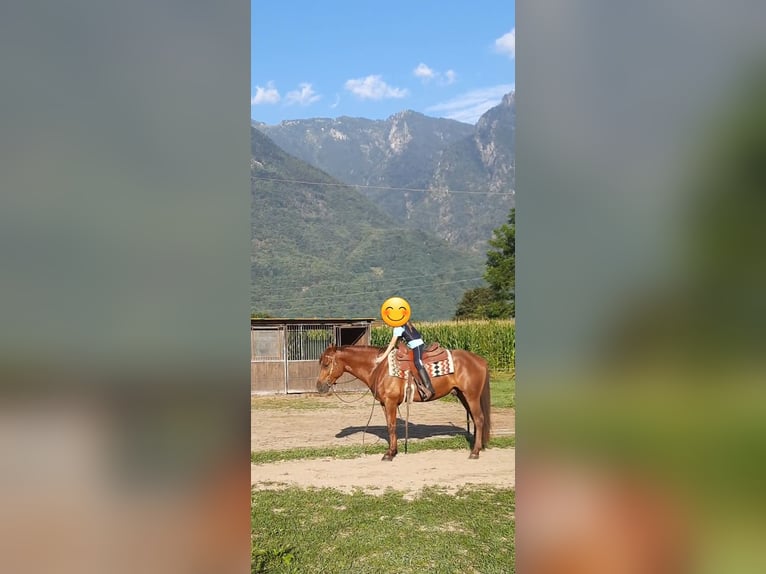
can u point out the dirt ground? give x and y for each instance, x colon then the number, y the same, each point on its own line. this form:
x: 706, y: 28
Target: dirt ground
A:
x: 346, y: 423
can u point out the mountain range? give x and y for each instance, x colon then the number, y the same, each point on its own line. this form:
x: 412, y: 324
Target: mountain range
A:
x: 347, y: 212
x: 448, y: 178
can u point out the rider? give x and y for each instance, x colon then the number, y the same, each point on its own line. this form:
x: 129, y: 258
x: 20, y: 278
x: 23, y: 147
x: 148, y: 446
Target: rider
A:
x: 414, y: 341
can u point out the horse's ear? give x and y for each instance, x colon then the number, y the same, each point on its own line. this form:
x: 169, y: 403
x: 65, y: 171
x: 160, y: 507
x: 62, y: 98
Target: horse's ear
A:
x: 327, y: 350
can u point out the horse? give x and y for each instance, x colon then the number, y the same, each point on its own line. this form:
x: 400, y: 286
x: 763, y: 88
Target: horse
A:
x: 470, y: 382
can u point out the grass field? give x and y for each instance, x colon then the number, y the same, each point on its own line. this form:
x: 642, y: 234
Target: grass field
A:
x: 502, y: 386
x: 325, y: 531
x: 306, y: 402
x: 458, y: 442
x: 296, y: 530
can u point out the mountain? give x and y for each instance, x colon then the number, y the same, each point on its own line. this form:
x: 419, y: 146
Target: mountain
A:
x: 321, y: 248
x: 401, y: 151
x: 441, y: 176
x: 482, y: 167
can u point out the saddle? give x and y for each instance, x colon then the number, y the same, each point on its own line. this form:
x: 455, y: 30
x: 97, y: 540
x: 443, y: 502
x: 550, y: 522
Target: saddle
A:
x: 436, y: 360
x: 432, y: 353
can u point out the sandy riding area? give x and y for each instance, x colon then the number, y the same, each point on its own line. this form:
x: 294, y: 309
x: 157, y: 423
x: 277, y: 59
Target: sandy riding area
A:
x: 309, y: 421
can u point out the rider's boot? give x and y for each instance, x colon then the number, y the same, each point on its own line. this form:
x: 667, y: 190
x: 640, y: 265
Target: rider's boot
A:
x: 426, y: 380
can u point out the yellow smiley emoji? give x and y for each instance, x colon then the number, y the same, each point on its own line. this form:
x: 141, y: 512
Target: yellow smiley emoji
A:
x: 395, y: 311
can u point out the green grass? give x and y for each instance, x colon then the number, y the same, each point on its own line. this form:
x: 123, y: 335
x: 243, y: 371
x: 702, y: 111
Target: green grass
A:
x: 303, y: 402
x: 503, y: 390
x: 457, y: 442
x: 502, y: 385
x: 326, y: 531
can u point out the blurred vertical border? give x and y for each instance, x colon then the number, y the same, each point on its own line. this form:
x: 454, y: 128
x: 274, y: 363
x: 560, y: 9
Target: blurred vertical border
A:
x: 641, y: 286
x: 124, y: 286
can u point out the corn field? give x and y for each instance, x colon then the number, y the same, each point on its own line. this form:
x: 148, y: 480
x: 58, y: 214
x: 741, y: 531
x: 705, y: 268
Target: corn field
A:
x: 495, y: 340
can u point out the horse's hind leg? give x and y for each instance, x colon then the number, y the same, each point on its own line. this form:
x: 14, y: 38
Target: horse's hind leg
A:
x: 478, y: 425
x: 390, y: 409
x: 459, y: 394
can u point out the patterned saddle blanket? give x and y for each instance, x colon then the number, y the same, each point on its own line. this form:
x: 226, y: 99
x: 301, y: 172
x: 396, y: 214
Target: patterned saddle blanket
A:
x: 436, y: 359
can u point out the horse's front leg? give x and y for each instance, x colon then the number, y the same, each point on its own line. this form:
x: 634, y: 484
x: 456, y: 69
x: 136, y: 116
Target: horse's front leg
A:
x: 389, y: 407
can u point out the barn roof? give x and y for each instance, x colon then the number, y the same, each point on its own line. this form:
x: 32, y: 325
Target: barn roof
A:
x: 310, y: 320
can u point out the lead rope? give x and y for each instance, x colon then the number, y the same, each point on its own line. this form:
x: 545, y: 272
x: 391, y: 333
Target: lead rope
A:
x: 372, y: 410
x: 409, y: 389
x: 341, y: 399
x: 332, y: 387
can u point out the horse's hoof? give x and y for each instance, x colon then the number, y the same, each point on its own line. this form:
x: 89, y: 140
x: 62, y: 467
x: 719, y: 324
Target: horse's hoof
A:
x: 387, y: 457
x: 473, y: 455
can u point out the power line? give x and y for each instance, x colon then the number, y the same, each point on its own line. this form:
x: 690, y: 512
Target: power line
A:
x: 384, y: 187
x: 298, y: 285
x: 381, y: 290
x: 316, y: 300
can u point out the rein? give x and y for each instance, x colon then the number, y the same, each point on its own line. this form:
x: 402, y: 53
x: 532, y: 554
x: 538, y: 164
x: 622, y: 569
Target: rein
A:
x: 409, y: 390
x: 332, y: 386
x: 334, y: 392
x: 341, y: 399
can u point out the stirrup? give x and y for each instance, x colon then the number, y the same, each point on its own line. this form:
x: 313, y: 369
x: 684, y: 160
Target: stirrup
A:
x: 425, y: 391
x: 429, y: 386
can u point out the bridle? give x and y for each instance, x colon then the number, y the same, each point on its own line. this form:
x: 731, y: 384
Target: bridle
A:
x: 329, y: 382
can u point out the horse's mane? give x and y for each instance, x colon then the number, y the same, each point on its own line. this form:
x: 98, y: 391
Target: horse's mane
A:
x: 357, y: 347
x: 344, y: 347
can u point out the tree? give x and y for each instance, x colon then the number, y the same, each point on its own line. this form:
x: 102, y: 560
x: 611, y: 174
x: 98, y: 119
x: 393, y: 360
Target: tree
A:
x: 498, y: 300
x: 475, y: 303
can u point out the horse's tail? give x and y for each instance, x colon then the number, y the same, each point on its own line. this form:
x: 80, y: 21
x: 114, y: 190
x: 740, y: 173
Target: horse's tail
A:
x: 485, y: 410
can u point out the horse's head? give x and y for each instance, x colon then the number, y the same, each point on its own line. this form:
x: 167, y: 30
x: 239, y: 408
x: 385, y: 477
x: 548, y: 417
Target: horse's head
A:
x: 330, y: 369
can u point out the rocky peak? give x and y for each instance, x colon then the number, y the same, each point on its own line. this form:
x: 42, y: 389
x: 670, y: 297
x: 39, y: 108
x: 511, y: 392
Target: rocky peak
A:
x: 399, y: 135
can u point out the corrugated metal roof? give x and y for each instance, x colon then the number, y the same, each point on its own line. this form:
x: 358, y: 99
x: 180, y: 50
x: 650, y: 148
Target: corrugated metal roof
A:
x: 317, y: 320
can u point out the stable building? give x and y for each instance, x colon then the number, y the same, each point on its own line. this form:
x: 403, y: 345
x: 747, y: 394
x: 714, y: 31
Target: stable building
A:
x: 284, y: 353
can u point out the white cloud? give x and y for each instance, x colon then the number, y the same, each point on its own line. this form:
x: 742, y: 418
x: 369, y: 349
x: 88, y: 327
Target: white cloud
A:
x: 336, y: 102
x: 373, y: 88
x: 267, y: 95
x: 468, y: 107
x: 506, y: 44
x: 424, y: 72
x: 303, y: 97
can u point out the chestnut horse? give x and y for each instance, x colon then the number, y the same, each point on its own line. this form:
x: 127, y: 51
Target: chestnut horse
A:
x: 470, y: 381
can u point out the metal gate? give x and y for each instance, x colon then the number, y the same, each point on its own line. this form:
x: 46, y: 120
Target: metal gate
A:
x: 285, y: 357
x: 305, y: 344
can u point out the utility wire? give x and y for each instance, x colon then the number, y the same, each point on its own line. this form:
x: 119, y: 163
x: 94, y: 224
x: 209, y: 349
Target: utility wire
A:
x: 311, y: 302
x: 336, y: 295
x: 384, y: 187
x: 287, y: 286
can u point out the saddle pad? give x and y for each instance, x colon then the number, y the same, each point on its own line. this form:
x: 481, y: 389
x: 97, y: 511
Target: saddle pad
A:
x: 393, y: 366
x: 443, y: 367
x: 436, y: 369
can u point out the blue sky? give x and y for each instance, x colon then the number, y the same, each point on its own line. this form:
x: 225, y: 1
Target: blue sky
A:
x: 373, y: 59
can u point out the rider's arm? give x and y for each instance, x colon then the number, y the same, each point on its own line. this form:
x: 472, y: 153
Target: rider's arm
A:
x: 390, y: 347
